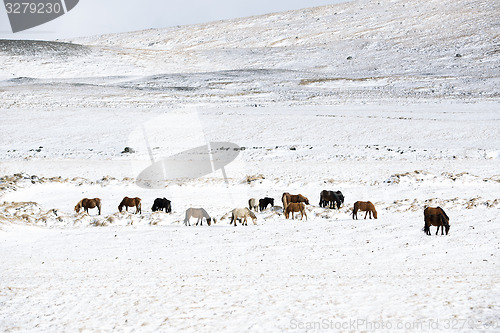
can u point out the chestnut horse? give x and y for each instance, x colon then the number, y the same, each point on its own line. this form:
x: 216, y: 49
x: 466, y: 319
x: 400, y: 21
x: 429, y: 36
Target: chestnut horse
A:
x: 295, y: 207
x: 364, y: 206
x: 88, y: 203
x: 288, y: 198
x: 437, y: 217
x: 130, y: 202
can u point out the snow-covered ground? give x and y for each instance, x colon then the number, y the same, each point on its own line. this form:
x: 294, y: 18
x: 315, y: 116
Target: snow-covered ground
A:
x: 396, y: 102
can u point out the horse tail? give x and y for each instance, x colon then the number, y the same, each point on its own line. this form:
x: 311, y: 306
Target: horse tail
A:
x: 186, y: 218
x: 139, y: 205
x: 354, y: 209
x: 283, y: 198
x: 427, y: 227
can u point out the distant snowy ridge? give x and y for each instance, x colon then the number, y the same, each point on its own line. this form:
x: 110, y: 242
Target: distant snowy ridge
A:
x: 405, y: 37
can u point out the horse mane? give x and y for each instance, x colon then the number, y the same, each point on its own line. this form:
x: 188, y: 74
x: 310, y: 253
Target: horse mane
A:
x: 205, y: 214
x: 443, y: 212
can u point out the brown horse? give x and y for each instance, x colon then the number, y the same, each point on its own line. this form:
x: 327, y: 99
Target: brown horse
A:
x: 295, y: 207
x: 437, y: 217
x: 130, y: 202
x: 86, y: 204
x: 288, y: 198
x: 364, y: 206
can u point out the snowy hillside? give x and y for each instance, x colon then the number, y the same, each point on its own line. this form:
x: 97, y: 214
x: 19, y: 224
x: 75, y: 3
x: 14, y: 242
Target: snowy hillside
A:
x: 361, y: 50
x: 392, y: 101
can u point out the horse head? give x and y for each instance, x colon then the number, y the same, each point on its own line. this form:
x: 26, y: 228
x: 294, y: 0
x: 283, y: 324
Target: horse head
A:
x: 304, y: 199
x: 445, y: 220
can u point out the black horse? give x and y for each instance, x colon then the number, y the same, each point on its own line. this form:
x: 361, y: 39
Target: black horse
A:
x: 160, y: 204
x: 331, y: 198
x: 263, y: 203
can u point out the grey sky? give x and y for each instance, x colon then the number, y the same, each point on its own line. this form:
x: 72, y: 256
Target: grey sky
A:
x: 95, y: 17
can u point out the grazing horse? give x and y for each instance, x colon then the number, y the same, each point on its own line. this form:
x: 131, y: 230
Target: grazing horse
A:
x: 242, y: 214
x: 162, y: 203
x: 331, y: 197
x: 198, y: 213
x: 130, y: 202
x: 295, y: 207
x: 88, y: 203
x: 263, y: 203
x: 252, y: 204
x: 437, y: 217
x: 288, y: 198
x: 364, y: 206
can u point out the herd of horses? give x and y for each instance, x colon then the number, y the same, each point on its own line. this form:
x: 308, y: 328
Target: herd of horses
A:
x: 292, y: 203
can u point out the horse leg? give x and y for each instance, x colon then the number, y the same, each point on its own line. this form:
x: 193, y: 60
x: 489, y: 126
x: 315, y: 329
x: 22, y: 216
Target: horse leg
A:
x: 366, y: 214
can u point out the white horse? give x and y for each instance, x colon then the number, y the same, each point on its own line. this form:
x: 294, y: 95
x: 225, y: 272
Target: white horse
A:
x: 242, y: 214
x: 252, y: 204
x: 198, y: 213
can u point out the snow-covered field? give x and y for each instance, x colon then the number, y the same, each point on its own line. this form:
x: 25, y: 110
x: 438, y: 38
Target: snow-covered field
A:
x: 396, y: 102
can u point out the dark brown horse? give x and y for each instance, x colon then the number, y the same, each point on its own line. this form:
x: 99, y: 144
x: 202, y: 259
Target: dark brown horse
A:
x: 331, y: 198
x: 288, y: 198
x: 263, y: 203
x: 364, y: 206
x: 437, y: 217
x: 88, y: 203
x: 130, y: 202
x: 162, y: 203
x: 295, y: 207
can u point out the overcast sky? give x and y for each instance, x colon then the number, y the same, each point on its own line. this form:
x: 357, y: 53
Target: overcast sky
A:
x: 95, y: 17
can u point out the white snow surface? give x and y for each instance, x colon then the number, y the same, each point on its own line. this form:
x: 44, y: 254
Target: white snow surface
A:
x: 392, y: 101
